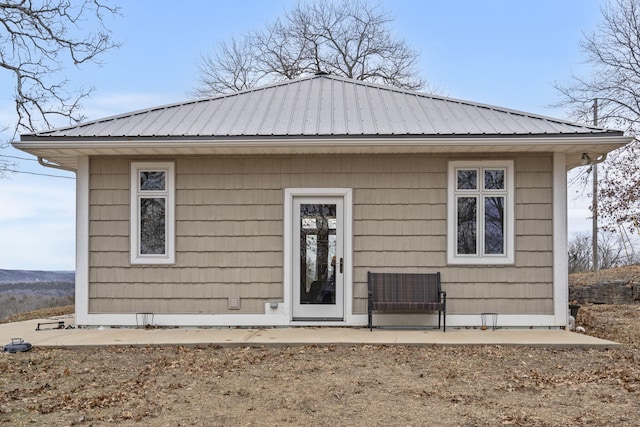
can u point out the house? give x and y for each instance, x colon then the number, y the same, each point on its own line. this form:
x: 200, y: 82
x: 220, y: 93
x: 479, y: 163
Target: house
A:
x: 269, y: 206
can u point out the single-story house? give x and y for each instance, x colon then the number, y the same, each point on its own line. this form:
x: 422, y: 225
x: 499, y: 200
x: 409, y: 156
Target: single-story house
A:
x: 268, y: 207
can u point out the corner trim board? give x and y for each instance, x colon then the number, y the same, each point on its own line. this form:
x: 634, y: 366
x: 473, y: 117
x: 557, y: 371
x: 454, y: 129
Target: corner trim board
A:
x: 82, y: 242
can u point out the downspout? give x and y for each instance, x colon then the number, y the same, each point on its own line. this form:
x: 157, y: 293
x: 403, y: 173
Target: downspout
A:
x: 54, y: 165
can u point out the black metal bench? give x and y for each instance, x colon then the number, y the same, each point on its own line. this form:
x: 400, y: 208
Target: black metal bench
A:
x: 406, y: 291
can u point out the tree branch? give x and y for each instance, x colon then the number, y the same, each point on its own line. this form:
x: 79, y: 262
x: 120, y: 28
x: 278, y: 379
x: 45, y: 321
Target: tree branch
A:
x: 348, y: 38
x: 36, y: 40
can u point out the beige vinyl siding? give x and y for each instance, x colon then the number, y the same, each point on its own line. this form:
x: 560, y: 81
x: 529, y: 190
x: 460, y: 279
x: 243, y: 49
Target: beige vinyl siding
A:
x: 229, y: 233
x: 405, y: 229
x: 228, y: 242
x: 527, y: 286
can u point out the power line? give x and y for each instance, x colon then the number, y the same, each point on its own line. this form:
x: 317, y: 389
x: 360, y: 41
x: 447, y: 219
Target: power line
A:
x: 19, y: 158
x: 40, y: 174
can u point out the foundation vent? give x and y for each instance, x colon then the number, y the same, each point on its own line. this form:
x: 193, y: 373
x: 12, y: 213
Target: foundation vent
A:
x: 234, y: 303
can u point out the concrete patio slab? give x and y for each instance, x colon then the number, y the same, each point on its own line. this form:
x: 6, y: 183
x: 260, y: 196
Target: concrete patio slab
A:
x: 290, y: 336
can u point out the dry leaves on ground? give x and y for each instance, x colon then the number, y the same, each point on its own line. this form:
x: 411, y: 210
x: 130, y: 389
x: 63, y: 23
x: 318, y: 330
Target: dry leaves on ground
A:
x: 332, y: 385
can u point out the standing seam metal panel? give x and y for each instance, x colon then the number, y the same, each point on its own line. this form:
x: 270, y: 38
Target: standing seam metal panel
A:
x: 314, y: 112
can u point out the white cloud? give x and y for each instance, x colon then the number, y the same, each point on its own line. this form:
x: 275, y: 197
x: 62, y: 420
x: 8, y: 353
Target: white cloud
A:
x: 37, y: 223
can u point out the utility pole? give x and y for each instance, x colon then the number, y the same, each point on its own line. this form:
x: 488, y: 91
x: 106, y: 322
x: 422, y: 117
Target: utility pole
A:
x: 594, y: 199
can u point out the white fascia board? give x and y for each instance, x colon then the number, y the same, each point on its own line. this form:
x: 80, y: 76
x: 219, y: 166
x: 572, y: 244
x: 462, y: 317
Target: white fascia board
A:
x: 142, y: 143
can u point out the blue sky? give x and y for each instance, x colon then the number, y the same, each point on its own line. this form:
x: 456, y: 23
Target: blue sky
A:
x: 501, y: 52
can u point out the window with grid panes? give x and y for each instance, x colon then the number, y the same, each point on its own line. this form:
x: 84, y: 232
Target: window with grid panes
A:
x: 480, y: 223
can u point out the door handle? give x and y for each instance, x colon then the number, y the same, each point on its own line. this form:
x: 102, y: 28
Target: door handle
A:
x: 341, y: 265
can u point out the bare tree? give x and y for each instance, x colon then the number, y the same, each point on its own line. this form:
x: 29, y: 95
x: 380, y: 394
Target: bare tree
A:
x: 349, y: 38
x: 611, y: 252
x: 579, y: 253
x: 231, y: 68
x: 613, y: 51
x: 37, y: 38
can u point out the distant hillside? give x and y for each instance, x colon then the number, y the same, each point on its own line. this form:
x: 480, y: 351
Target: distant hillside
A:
x: 29, y: 276
x: 49, y: 289
x: 22, y: 290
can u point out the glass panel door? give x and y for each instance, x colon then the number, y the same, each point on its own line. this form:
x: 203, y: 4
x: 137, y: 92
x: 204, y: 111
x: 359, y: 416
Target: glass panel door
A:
x: 318, y: 258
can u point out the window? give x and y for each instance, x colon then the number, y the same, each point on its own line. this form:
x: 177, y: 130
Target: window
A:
x: 481, y: 212
x: 152, y: 213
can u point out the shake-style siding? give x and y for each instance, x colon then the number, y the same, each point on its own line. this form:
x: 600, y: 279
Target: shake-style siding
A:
x: 240, y: 158
x: 230, y: 220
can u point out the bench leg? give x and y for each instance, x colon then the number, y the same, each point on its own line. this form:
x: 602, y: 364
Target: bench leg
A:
x: 442, y: 314
x: 444, y: 309
x: 370, y: 303
x: 444, y: 321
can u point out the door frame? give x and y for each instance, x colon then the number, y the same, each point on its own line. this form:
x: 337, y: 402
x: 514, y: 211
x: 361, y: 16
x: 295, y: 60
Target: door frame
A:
x: 315, y: 312
x: 347, y: 195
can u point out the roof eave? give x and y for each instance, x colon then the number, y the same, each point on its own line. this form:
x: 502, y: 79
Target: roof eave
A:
x: 65, y: 152
x: 442, y: 141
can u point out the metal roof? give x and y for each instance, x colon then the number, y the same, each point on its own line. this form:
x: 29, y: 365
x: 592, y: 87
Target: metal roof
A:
x: 321, y: 114
x: 321, y: 106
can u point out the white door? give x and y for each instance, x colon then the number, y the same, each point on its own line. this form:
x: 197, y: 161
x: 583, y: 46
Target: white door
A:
x: 318, y: 258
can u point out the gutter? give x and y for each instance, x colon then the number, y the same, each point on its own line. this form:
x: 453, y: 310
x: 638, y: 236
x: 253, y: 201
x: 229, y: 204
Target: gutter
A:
x: 587, y: 160
x: 271, y: 142
x: 601, y: 158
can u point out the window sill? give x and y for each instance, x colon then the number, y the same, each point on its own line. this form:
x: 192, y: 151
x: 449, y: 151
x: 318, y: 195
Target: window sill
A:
x: 152, y: 261
x: 480, y: 261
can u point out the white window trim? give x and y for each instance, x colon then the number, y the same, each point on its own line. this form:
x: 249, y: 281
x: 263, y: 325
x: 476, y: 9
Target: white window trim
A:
x: 476, y: 259
x: 169, y: 193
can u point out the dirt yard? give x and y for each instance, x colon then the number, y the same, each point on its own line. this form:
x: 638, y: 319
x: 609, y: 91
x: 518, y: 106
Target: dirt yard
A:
x: 327, y: 385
